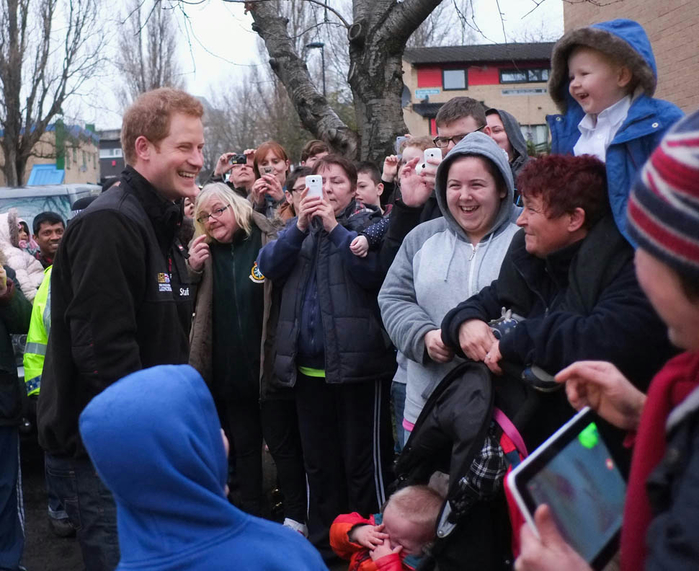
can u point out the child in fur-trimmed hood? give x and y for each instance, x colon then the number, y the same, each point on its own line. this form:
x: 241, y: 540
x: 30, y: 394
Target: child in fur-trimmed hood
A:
x: 603, y: 78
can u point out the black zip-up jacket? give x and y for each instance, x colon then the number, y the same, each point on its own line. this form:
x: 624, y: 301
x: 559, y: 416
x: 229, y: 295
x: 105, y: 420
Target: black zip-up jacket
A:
x: 120, y: 302
x: 329, y: 317
x: 582, y: 302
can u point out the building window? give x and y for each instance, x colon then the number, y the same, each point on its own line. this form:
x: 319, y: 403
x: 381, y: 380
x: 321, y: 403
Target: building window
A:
x: 453, y: 79
x: 537, y: 136
x: 524, y: 75
x: 110, y: 153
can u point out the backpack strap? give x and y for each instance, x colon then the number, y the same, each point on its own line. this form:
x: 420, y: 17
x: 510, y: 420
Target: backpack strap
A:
x: 511, y: 430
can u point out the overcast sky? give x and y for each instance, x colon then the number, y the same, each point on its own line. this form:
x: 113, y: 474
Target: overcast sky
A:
x: 218, y: 41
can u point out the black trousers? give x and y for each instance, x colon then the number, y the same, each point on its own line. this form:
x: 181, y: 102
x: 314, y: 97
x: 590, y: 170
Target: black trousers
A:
x: 246, y: 423
x: 347, y: 447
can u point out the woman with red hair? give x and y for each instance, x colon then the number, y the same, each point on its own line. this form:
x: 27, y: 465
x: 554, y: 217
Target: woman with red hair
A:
x: 271, y: 167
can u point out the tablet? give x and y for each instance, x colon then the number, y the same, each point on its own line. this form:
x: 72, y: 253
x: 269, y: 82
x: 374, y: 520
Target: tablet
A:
x: 574, y: 474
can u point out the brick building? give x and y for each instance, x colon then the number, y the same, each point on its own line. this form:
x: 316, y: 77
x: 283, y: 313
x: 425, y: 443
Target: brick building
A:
x: 512, y: 77
x: 111, y: 155
x: 673, y: 29
x: 65, y: 154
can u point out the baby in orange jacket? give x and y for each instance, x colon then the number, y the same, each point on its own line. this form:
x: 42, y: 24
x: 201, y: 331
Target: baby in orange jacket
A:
x: 394, y: 540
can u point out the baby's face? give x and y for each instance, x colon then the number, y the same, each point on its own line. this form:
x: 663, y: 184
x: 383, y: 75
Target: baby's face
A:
x: 403, y: 532
x: 596, y: 82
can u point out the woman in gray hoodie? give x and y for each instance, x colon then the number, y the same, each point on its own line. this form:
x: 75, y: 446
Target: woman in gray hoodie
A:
x: 444, y: 261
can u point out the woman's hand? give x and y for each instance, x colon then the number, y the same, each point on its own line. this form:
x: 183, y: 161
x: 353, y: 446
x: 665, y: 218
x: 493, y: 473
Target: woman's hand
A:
x: 493, y: 357
x: 476, y: 339
x: 223, y: 165
x: 325, y: 212
x: 198, y: 253
x: 550, y: 552
x: 414, y: 191
x: 274, y: 187
x: 259, y: 188
x: 436, y: 348
x: 605, y: 390
x: 305, y: 211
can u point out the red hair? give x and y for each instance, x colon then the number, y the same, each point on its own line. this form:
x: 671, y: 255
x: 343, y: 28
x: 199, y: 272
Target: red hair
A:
x: 262, y: 152
x: 564, y: 183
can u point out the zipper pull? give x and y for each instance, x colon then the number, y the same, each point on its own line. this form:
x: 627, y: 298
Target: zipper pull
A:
x: 473, y: 252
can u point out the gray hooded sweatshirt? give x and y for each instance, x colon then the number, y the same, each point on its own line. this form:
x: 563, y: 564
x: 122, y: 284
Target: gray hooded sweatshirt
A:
x: 436, y: 268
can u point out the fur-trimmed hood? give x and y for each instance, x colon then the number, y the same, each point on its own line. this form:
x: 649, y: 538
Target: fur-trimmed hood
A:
x: 9, y: 228
x: 623, y: 40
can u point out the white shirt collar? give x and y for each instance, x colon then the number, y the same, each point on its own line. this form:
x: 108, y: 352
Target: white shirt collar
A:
x: 612, y: 116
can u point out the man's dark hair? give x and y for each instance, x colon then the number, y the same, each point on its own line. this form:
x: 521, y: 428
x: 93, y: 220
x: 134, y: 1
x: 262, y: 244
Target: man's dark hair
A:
x: 313, y: 148
x: 294, y: 176
x: 458, y: 108
x: 345, y: 164
x: 371, y: 169
x: 50, y: 218
x: 564, y: 183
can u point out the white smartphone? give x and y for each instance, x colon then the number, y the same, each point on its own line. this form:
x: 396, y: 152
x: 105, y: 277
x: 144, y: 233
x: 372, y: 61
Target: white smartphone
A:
x: 434, y: 154
x: 314, y: 183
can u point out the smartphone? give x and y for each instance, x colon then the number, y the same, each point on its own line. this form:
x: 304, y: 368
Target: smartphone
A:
x: 399, y: 144
x: 434, y: 154
x: 267, y: 170
x: 314, y: 183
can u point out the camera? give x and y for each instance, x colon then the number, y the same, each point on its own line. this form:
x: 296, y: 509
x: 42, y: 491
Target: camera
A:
x: 238, y: 160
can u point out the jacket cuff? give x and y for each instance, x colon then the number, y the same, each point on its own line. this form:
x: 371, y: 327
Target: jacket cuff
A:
x: 340, y: 235
x: 450, y: 327
x: 294, y: 236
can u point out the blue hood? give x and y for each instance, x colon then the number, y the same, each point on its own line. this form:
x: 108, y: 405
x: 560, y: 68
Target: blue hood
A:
x: 155, y: 440
x: 623, y: 40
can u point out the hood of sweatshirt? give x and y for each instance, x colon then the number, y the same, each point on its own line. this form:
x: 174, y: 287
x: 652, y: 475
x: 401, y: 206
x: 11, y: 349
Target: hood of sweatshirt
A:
x: 516, y: 138
x: 155, y: 440
x: 624, y: 40
x: 480, y: 145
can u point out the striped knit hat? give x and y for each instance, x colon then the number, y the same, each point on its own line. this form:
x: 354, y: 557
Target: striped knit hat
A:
x: 663, y: 212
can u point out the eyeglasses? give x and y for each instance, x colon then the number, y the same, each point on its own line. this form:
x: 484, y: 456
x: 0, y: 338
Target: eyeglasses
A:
x: 204, y: 218
x: 443, y: 142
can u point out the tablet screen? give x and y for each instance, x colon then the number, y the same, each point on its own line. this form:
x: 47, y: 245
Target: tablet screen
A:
x: 574, y: 474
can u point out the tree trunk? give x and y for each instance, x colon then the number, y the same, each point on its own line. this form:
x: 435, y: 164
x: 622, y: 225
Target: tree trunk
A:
x: 377, y: 39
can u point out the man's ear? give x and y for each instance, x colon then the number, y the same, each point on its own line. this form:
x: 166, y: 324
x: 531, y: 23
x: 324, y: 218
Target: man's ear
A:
x: 577, y: 220
x: 288, y: 197
x: 487, y: 131
x: 624, y: 76
x: 143, y: 148
x: 379, y: 189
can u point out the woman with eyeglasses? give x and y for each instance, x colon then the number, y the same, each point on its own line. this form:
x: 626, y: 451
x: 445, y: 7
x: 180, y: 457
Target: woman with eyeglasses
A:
x: 232, y: 346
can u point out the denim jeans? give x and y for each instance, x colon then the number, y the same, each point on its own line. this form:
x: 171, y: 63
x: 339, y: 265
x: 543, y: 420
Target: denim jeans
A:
x: 11, y: 509
x: 398, y: 399
x: 90, y: 507
x: 56, y: 509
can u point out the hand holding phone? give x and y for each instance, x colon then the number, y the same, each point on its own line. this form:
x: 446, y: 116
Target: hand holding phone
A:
x: 431, y: 159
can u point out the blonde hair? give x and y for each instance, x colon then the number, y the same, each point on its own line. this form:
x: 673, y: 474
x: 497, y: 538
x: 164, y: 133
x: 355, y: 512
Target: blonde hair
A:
x: 422, y: 143
x: 420, y: 505
x: 241, y: 207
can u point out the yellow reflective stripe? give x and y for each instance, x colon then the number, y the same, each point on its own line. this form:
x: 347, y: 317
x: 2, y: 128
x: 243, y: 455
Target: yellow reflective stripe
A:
x: 311, y: 372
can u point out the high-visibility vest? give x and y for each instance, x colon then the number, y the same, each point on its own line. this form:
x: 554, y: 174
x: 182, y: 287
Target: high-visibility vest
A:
x: 38, y: 336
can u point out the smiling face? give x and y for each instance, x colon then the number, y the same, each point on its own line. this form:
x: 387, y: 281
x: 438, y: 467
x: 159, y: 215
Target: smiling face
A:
x: 662, y: 286
x: 49, y: 237
x: 337, y: 188
x: 173, y: 164
x: 222, y: 225
x: 544, y: 235
x: 473, y: 197
x: 596, y: 82
x: 278, y: 165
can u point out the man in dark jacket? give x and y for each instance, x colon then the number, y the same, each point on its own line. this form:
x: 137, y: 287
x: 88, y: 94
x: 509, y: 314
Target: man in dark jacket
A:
x: 120, y: 299
x: 15, y: 313
x: 569, y: 275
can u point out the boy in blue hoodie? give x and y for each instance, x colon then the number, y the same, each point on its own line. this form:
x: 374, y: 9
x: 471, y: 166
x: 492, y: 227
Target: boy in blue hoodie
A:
x: 602, y: 79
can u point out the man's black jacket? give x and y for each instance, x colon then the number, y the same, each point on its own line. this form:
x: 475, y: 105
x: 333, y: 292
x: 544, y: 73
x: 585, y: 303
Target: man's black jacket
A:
x: 120, y: 302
